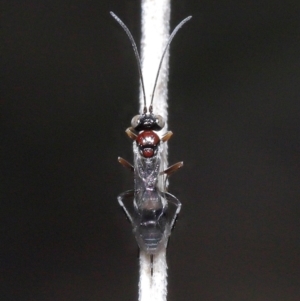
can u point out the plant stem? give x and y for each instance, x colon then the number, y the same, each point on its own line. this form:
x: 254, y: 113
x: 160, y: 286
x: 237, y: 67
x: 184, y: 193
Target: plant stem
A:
x: 155, y: 34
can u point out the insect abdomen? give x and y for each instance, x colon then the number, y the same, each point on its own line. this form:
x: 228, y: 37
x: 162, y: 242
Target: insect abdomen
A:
x: 150, y: 233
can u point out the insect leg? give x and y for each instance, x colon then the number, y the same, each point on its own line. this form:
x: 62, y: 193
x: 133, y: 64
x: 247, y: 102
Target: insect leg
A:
x: 126, y: 164
x: 166, y: 136
x: 173, y: 200
x: 123, y: 199
x: 131, y: 133
x: 172, y: 168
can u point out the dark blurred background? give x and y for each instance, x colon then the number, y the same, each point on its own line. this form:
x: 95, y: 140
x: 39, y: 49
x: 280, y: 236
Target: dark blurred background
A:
x: 69, y: 90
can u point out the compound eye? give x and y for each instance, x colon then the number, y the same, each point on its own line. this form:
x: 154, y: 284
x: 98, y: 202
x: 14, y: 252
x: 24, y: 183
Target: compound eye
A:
x: 135, y: 121
x: 160, y: 121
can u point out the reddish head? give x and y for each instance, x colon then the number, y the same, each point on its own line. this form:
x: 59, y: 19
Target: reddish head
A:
x: 147, y: 142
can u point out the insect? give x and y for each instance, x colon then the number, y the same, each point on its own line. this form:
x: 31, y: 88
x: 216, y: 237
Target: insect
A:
x: 151, y: 210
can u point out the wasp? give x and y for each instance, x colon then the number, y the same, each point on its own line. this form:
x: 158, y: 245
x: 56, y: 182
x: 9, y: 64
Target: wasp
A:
x: 151, y: 210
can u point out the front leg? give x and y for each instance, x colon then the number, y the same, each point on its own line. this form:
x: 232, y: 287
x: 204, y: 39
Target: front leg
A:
x: 131, y: 133
x: 166, y: 136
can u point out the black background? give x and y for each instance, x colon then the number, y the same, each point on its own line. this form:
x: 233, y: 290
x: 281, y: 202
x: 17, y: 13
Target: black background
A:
x: 70, y: 89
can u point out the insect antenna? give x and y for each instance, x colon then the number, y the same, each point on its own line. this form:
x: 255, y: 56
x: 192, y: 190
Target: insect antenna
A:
x: 163, y: 55
x: 136, y: 54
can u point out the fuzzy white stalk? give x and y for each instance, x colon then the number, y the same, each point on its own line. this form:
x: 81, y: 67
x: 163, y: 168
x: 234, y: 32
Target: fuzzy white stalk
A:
x: 159, y: 277
x: 145, y: 287
x: 155, y: 26
x: 155, y: 34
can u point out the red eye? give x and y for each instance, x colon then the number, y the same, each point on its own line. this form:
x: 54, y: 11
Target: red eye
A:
x: 147, y: 138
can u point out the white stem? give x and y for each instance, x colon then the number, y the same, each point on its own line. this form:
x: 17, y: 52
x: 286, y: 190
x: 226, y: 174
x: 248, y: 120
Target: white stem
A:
x: 145, y: 293
x: 155, y: 34
x: 159, y: 277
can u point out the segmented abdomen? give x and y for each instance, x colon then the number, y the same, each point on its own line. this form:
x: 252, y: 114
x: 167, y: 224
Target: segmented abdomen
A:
x: 151, y: 233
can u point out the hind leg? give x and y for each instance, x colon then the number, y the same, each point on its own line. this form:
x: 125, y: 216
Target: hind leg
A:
x: 125, y: 200
x: 174, y: 201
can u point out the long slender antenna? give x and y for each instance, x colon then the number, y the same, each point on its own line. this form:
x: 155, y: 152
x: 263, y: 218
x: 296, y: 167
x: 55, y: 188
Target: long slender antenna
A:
x: 136, y: 54
x: 162, y: 58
